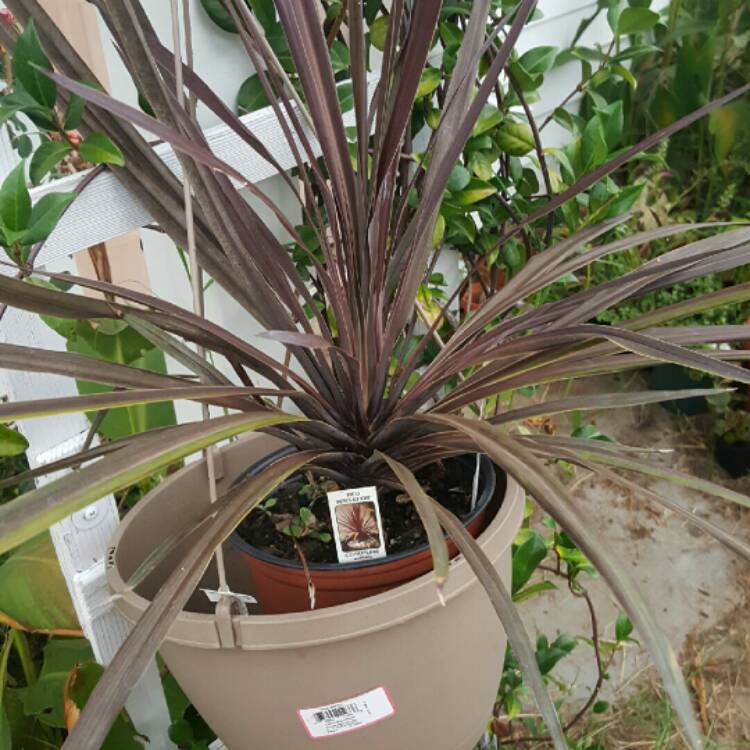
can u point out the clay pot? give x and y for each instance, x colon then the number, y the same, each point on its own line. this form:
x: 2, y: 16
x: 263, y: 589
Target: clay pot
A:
x: 281, y: 585
x: 249, y: 675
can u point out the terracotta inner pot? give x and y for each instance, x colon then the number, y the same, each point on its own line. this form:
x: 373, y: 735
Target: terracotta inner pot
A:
x: 281, y: 585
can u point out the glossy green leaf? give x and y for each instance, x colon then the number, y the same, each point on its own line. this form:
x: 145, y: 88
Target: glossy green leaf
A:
x: 251, y: 96
x: 623, y: 627
x: 475, y: 191
x: 481, y: 165
x: 428, y: 82
x: 379, y: 32
x: 534, y: 590
x: 526, y: 559
x: 636, y: 20
x: 80, y: 684
x: 12, y: 442
x: 459, y: 178
x: 46, y: 158
x: 15, y: 201
x: 339, y: 56
x: 44, y: 699
x: 33, y: 592
x: 218, y: 13
x: 538, y: 59
x: 488, y: 119
x: 74, y: 112
x: 515, y: 138
x: 28, y: 57
x: 45, y: 214
x: 99, y: 149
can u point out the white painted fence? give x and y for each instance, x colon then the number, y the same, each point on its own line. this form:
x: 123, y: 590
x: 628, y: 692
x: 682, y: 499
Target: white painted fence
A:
x: 104, y: 211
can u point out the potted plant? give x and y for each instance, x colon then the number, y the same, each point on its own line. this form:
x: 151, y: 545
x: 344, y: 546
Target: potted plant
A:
x: 366, y: 408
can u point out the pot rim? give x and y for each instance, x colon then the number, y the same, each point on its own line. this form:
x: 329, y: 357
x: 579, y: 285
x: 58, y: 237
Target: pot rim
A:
x: 486, y: 494
x: 260, y: 632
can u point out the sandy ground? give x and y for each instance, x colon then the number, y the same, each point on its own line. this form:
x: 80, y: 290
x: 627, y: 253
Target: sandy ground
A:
x: 698, y: 589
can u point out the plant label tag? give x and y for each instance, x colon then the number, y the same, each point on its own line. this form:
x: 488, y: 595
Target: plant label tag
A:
x: 357, y: 526
x: 214, y: 596
x: 348, y: 715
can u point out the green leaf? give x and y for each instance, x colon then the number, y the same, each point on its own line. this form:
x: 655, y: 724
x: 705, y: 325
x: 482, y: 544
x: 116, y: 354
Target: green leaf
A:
x: 515, y: 138
x: 459, y: 178
x: 623, y: 627
x: 216, y: 11
x: 439, y: 232
x: 33, y: 592
x: 450, y: 33
x: 265, y: 12
x: 526, y: 559
x: 532, y: 591
x: 462, y: 228
x: 481, y: 165
x: 428, y: 82
x: 539, y: 59
x: 594, y: 149
x: 625, y: 74
x: 619, y: 204
x: 339, y: 56
x: 487, y: 120
x: 12, y: 442
x: 15, y: 201
x: 345, y: 94
x: 379, y: 32
x: 80, y: 684
x: 548, y: 656
x: 726, y: 125
x: 44, y: 698
x: 474, y: 192
x: 251, y: 96
x: 74, y: 112
x: 636, y: 20
x: 28, y: 57
x: 45, y: 214
x: 98, y: 149
x: 46, y: 158
x: 613, y: 120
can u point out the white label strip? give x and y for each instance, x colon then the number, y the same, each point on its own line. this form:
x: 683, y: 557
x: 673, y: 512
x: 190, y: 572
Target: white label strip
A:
x: 357, y: 527
x: 214, y: 596
x: 348, y: 715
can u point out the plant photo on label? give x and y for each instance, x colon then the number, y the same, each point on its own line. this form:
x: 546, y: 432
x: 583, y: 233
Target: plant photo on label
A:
x: 352, y: 486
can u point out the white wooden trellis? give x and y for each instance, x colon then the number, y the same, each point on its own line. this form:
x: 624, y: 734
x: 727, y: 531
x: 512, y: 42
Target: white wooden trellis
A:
x: 105, y: 210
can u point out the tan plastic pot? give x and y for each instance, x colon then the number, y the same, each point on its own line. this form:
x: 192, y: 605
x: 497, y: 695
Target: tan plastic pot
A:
x: 249, y: 675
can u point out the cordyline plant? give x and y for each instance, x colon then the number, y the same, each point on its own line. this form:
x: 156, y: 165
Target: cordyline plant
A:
x: 368, y: 406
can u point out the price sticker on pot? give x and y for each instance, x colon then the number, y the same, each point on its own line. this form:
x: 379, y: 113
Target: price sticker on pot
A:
x: 357, y: 526
x: 348, y: 715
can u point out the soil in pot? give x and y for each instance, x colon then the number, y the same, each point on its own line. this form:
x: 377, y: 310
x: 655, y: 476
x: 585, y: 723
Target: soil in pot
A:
x: 734, y: 458
x: 294, y: 527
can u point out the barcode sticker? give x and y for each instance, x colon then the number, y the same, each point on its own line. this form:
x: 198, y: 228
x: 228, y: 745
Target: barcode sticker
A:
x: 347, y: 715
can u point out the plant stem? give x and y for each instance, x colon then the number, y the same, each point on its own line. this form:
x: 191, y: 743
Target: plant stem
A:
x: 21, y: 644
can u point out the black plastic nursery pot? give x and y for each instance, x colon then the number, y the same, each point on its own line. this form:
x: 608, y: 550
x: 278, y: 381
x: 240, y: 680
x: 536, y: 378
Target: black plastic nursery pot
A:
x: 392, y: 670
x: 671, y: 377
x: 282, y: 585
x: 734, y: 458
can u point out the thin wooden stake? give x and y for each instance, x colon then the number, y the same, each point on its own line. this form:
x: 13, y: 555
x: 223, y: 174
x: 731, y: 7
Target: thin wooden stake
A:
x: 196, y: 276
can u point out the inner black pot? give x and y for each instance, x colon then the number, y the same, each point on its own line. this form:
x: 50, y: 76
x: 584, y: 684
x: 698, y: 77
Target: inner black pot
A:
x: 474, y: 520
x: 734, y: 458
